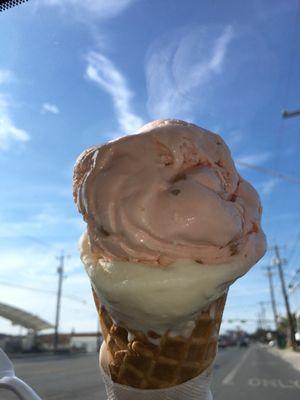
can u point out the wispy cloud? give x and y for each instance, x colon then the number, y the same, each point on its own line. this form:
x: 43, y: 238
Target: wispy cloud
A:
x: 39, y: 225
x: 234, y: 138
x: 9, y: 132
x: 6, y: 76
x: 103, y: 72
x: 180, y: 64
x: 268, y: 186
x: 95, y: 9
x: 50, y: 108
x: 252, y: 159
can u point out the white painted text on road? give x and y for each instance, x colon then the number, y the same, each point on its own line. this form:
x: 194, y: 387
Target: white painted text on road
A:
x: 274, y: 383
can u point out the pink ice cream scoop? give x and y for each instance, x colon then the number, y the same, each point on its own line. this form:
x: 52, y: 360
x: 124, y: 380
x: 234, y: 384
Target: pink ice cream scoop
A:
x: 169, y: 192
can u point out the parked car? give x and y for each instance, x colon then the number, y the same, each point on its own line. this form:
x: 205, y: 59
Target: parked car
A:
x: 223, y: 342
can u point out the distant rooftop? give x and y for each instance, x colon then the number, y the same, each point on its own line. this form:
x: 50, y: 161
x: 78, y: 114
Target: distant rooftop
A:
x: 23, y: 318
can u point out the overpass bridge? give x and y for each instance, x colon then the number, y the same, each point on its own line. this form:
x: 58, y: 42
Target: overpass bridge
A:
x: 23, y: 318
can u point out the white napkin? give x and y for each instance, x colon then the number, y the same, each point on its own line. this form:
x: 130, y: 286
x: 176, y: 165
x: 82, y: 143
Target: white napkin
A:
x: 195, y: 389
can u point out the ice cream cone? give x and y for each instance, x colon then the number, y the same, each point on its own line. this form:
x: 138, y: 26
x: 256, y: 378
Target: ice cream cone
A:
x: 170, y: 226
x: 160, y: 361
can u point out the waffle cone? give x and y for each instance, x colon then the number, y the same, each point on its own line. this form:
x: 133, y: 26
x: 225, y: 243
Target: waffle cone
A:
x: 134, y: 360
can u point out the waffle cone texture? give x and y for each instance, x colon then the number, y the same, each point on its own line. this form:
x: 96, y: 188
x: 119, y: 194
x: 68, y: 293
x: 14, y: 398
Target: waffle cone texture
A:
x: 166, y: 360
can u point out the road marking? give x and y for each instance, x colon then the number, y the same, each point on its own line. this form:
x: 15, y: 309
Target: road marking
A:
x: 275, y: 383
x: 228, y: 380
x: 256, y: 382
x: 257, y: 363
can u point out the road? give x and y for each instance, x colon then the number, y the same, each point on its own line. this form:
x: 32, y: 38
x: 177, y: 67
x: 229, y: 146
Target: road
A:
x: 254, y: 373
x: 241, y: 374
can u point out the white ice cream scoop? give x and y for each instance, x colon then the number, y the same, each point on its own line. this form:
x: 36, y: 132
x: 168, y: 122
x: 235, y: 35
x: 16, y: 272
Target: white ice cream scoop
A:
x: 8, y: 380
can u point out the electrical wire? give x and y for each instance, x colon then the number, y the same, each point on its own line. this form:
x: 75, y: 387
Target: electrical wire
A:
x: 292, y: 52
x: 286, y: 89
x: 269, y: 171
x: 294, y: 248
x: 45, y: 291
x: 295, y: 278
x: 280, y: 131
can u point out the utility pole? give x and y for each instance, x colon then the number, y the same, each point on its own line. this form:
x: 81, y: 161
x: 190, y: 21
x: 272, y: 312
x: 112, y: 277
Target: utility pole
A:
x: 273, y: 301
x: 278, y: 262
x: 263, y: 315
x: 60, y: 271
x: 293, y: 286
x: 259, y: 323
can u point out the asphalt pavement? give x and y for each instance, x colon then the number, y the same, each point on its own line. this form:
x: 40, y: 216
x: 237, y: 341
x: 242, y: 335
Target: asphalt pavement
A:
x: 239, y: 374
x: 254, y: 373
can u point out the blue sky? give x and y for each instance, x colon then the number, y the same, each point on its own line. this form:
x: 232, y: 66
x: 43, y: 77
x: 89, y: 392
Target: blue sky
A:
x: 73, y: 74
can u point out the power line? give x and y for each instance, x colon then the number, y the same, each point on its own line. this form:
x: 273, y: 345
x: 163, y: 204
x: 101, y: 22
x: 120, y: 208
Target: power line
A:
x: 271, y: 172
x: 292, y: 51
x: 36, y: 240
x: 285, y: 94
x: 32, y: 289
x: 45, y: 291
x: 240, y: 306
x: 295, y: 278
x: 292, y: 252
x: 287, y: 84
x: 241, y: 320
